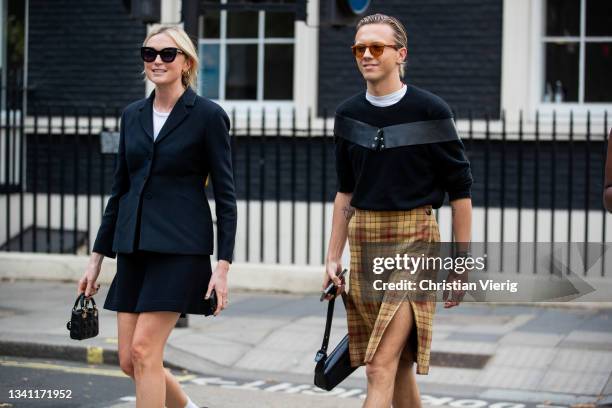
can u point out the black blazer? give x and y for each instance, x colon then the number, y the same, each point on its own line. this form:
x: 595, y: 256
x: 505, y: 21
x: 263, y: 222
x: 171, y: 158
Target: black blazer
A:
x: 163, y: 182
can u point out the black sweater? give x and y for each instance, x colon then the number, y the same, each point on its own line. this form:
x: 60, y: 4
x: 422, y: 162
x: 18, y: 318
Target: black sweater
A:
x: 404, y: 177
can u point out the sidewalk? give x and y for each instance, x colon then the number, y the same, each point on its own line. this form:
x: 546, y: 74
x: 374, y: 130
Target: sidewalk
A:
x: 261, y: 349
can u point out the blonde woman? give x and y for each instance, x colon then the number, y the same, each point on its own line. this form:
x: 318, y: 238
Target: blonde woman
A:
x: 397, y: 156
x: 158, y: 222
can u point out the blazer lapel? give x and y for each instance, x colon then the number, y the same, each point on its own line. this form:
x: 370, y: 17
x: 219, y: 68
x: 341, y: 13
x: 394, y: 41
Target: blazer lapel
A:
x: 146, y: 115
x: 178, y: 113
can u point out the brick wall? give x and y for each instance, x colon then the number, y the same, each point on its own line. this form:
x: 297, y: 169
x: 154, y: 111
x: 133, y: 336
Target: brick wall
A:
x: 454, y: 50
x: 83, y: 52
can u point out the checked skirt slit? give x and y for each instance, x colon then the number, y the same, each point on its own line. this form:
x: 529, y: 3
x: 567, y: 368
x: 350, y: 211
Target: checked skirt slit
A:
x: 368, y: 318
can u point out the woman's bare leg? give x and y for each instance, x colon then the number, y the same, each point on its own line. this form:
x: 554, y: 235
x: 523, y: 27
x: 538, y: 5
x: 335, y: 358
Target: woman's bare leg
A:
x: 126, y: 322
x: 175, y: 396
x: 381, y: 371
x: 148, y: 342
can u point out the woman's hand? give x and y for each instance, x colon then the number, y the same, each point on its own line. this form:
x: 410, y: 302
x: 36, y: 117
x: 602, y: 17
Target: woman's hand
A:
x: 88, y: 283
x: 218, y: 282
x: 332, y: 269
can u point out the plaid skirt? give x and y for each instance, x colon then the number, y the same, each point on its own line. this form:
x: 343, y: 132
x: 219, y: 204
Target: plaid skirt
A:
x: 368, y: 318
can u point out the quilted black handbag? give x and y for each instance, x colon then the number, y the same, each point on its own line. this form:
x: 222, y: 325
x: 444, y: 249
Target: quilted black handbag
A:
x: 333, y: 369
x: 83, y: 322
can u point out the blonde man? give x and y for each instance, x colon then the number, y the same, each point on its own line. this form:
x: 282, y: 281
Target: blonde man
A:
x: 397, y: 155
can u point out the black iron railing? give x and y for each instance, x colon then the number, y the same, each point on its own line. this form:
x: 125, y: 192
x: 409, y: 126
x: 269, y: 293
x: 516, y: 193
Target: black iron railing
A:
x: 535, y: 179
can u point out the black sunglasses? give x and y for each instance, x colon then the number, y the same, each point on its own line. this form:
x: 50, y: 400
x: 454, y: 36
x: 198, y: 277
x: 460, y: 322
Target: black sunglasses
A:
x: 149, y: 54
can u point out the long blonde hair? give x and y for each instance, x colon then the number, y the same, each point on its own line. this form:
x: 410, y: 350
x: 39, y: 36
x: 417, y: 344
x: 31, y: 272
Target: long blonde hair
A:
x: 399, y: 31
x: 184, y: 43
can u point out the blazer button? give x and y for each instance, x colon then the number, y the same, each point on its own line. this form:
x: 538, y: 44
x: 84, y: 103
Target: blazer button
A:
x: 148, y: 196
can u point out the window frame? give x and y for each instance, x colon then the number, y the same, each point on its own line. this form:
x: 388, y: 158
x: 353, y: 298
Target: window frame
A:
x: 538, y: 67
x: 261, y: 41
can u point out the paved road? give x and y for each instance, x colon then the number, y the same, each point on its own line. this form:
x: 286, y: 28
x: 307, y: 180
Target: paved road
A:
x: 105, y: 386
x: 266, y: 342
x: 86, y: 386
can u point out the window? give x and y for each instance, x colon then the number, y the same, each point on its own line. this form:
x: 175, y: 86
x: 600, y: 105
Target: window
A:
x: 577, y: 50
x: 246, y: 54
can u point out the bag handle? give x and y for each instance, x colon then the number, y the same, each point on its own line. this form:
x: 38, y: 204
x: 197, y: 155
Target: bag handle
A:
x: 322, y: 353
x: 84, y: 301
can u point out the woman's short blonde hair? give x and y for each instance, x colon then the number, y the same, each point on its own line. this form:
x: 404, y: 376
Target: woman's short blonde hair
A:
x: 184, y: 43
x: 399, y: 31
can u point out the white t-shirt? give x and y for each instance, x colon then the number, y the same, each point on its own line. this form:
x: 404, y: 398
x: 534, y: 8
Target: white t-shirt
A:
x: 388, y: 99
x: 159, y: 118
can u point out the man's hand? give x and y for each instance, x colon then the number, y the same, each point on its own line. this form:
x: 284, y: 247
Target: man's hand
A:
x: 332, y: 270
x: 456, y: 296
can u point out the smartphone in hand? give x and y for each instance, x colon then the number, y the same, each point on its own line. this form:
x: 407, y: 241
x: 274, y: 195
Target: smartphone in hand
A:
x: 331, y: 288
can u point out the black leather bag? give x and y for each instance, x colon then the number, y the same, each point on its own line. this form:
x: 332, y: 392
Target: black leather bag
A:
x: 333, y: 369
x: 83, y: 322
x: 210, y: 304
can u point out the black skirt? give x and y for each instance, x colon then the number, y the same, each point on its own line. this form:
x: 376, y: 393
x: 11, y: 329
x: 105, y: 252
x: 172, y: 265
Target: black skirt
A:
x: 151, y: 281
